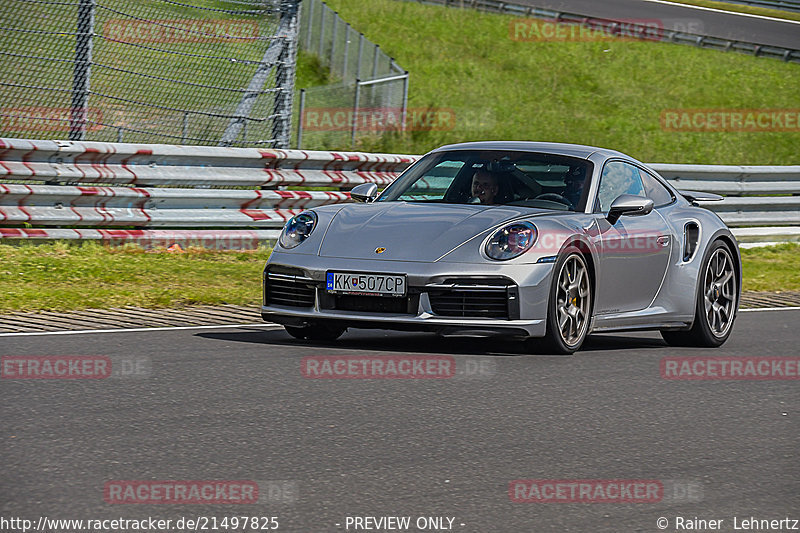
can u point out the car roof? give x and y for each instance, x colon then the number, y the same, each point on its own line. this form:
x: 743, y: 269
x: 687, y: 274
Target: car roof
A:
x: 572, y: 150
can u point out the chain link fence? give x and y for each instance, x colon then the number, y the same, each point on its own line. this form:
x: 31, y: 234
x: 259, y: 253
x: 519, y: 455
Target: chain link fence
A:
x: 213, y: 72
x: 370, y: 96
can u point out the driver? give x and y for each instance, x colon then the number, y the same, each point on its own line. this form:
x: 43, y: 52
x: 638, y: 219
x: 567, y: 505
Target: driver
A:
x: 574, y: 186
x: 484, y: 187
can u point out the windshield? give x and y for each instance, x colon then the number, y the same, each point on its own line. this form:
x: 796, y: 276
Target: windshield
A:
x: 495, y: 177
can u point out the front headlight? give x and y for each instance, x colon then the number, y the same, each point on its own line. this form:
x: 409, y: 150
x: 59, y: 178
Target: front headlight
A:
x: 511, y: 241
x: 298, y: 229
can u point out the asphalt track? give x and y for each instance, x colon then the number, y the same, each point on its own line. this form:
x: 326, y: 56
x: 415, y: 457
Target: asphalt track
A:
x: 231, y: 403
x: 684, y: 18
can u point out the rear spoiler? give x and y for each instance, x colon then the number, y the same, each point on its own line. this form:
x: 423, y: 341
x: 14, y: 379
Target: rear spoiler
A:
x: 697, y: 196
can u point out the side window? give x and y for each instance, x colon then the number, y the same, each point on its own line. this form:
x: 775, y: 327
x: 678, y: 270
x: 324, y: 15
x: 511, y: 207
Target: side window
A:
x: 656, y: 190
x: 618, y: 178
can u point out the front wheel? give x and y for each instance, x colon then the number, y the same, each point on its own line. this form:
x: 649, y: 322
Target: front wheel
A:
x: 315, y: 332
x: 570, y: 304
x: 716, y: 303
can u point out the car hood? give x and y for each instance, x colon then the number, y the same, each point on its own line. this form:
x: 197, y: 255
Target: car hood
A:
x: 410, y: 232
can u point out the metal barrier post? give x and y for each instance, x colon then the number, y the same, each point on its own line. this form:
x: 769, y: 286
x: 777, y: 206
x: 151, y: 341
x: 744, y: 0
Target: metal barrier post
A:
x: 356, y: 104
x: 79, y: 111
x: 301, y: 110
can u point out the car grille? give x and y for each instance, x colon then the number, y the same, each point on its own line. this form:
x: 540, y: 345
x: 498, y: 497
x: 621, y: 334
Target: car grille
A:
x: 371, y: 304
x: 471, y: 299
x: 289, y: 288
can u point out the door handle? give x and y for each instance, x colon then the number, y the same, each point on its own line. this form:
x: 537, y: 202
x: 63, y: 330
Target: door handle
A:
x: 663, y: 240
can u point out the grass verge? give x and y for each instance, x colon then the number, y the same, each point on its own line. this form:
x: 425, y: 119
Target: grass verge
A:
x: 608, y: 93
x: 64, y: 277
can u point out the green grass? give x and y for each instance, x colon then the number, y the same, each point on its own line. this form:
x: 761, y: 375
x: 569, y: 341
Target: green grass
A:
x: 772, y: 268
x: 64, y: 277
x: 68, y: 277
x: 608, y: 93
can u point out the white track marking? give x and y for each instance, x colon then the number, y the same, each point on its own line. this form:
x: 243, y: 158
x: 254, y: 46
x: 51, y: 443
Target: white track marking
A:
x: 137, y: 330
x: 769, y: 309
x: 715, y: 10
x: 258, y: 324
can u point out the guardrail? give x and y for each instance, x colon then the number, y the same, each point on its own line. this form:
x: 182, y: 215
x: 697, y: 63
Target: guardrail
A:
x: 235, y: 197
x: 611, y: 26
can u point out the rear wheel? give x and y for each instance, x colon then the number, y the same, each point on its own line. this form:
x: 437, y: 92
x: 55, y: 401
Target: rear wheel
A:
x: 315, y: 332
x: 570, y: 304
x: 716, y: 302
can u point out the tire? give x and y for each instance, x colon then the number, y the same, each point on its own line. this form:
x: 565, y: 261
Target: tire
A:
x: 716, y: 302
x: 569, y: 308
x: 315, y: 332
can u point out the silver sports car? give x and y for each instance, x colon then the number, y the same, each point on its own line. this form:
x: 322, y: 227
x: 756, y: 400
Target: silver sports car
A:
x: 520, y: 239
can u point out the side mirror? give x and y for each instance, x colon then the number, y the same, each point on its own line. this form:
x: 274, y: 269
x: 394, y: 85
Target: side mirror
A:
x: 366, y: 193
x: 629, y: 205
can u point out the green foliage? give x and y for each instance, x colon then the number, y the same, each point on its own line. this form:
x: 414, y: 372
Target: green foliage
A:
x: 607, y: 93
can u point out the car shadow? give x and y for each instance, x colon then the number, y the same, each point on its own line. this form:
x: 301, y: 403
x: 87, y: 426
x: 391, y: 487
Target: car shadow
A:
x: 394, y: 342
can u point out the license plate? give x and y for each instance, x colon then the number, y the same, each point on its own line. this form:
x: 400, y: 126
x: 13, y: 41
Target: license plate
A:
x: 366, y: 284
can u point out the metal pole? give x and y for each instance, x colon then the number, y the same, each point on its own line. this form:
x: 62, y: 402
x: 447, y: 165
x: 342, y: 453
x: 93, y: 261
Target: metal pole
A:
x: 323, y: 10
x: 185, y: 127
x: 356, y: 104
x: 405, y: 102
x: 346, y: 50
x: 308, y: 12
x: 300, y: 118
x: 285, y: 76
x: 360, y: 54
x: 375, y: 63
x: 333, y: 39
x: 281, y: 55
x: 79, y: 110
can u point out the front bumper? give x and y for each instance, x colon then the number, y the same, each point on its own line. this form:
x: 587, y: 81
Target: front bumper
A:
x: 525, y: 287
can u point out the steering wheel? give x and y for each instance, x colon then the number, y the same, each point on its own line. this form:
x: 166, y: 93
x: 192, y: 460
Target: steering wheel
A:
x: 555, y: 197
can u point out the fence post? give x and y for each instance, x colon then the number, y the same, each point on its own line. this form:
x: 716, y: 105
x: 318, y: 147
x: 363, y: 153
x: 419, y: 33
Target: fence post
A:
x: 346, y: 50
x: 333, y: 39
x: 301, y: 110
x: 285, y: 75
x: 404, y: 114
x: 360, y: 54
x: 323, y: 12
x: 79, y: 110
x: 375, y: 63
x: 356, y: 104
x: 309, y: 8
